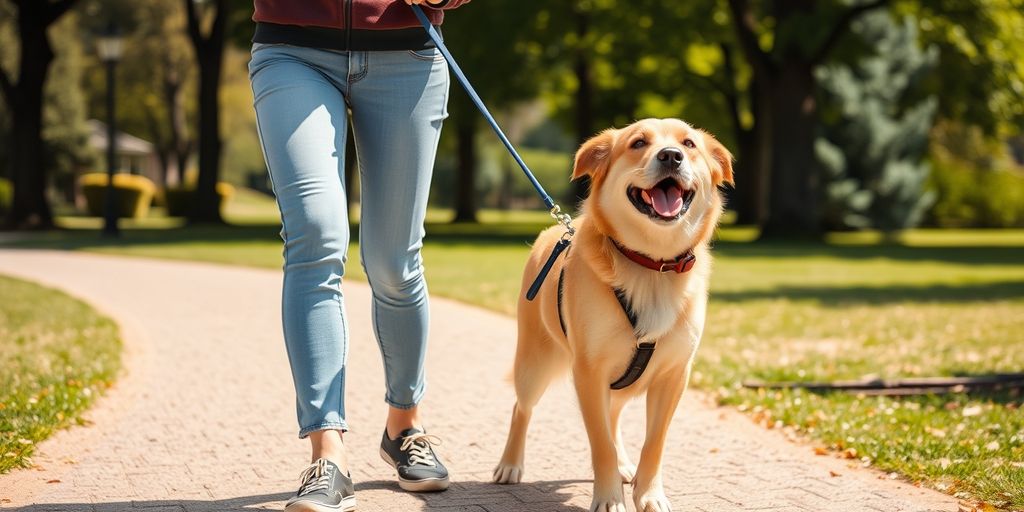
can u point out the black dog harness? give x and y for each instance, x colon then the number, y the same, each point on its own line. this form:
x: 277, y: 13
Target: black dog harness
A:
x: 644, y: 350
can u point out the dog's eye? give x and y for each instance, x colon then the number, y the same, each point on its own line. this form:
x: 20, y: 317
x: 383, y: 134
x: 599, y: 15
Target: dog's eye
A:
x: 639, y: 143
x: 689, y: 143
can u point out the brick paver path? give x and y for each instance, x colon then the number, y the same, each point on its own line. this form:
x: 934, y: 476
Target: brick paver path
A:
x: 203, y: 416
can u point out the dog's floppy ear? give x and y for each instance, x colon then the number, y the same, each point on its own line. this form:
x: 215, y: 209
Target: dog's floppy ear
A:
x: 594, y: 156
x: 721, y: 160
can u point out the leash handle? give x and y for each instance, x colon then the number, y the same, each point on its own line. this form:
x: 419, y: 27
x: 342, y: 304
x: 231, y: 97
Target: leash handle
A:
x: 561, y: 246
x: 434, y: 36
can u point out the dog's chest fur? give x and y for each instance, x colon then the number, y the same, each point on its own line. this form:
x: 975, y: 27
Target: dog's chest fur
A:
x: 658, y: 301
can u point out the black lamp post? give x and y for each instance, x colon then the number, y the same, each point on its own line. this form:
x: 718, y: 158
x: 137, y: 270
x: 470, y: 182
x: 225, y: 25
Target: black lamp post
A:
x: 109, y: 46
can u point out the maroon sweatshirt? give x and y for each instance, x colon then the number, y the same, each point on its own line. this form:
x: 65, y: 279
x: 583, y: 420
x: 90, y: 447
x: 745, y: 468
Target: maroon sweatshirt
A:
x: 346, y: 24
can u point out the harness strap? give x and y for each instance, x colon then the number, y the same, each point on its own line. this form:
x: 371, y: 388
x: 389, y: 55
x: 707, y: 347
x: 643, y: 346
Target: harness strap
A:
x: 624, y: 302
x: 561, y: 319
x: 644, y: 351
x: 636, y: 368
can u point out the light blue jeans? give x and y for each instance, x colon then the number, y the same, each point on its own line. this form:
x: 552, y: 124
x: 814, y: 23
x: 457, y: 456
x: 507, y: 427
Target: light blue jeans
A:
x: 398, y: 100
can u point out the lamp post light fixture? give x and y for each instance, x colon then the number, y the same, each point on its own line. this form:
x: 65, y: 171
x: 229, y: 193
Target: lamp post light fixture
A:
x: 109, y: 47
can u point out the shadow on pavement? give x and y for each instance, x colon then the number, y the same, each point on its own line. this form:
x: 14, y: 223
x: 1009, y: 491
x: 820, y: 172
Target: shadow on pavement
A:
x: 240, y: 504
x: 549, y: 496
x: 531, y: 496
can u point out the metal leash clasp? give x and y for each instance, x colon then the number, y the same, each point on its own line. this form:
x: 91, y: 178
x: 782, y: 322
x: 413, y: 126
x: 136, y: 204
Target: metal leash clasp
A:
x: 562, y: 244
x: 564, y: 219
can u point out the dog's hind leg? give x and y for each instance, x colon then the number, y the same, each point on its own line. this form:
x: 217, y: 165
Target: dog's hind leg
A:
x: 662, y: 399
x: 538, y: 361
x: 627, y: 470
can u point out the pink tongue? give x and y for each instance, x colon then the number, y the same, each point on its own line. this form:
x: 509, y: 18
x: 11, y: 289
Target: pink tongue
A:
x: 667, y: 203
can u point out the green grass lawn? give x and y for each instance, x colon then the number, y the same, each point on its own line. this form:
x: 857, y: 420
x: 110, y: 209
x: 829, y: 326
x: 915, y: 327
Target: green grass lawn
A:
x: 939, y: 303
x: 58, y: 356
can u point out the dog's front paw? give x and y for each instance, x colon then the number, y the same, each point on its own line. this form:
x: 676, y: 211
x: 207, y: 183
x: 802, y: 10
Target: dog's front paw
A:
x: 652, y: 502
x: 608, y: 501
x: 508, y: 474
x: 627, y: 471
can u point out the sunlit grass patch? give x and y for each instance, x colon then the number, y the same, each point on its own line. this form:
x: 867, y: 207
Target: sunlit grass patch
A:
x: 58, y: 356
x: 969, y: 446
x: 854, y: 312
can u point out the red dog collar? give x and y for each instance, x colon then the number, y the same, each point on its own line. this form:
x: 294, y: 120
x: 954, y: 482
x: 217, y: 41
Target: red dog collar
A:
x: 682, y: 263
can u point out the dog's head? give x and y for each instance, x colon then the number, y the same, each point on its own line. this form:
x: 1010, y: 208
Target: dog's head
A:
x: 654, y: 184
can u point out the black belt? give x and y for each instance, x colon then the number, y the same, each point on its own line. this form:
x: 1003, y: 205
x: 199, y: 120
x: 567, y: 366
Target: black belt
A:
x: 338, y: 39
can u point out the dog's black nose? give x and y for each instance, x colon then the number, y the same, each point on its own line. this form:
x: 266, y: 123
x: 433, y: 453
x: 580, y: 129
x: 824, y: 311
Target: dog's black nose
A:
x: 670, y: 157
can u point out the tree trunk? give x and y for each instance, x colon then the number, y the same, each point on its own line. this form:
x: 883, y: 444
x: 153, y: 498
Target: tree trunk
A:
x: 465, y: 175
x: 30, y: 209
x: 163, y: 149
x: 209, y: 51
x: 584, y: 102
x: 753, y: 153
x: 178, y: 129
x: 742, y: 198
x: 793, y: 199
x: 785, y: 95
x: 207, y: 202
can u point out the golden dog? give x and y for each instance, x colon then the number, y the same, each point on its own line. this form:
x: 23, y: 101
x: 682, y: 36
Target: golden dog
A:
x: 637, y: 272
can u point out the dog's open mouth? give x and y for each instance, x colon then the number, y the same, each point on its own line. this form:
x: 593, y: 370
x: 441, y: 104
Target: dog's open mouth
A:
x: 667, y: 200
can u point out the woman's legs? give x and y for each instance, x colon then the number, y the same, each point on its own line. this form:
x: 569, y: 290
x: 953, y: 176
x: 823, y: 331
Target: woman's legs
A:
x: 302, y: 122
x: 398, y: 103
x: 397, y: 115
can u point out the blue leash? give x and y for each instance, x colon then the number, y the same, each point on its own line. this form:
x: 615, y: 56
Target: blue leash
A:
x: 554, y: 209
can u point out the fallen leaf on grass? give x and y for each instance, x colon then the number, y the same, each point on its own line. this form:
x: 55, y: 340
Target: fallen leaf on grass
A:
x: 973, y: 410
x: 850, y: 453
x: 980, y: 506
x: 820, y: 450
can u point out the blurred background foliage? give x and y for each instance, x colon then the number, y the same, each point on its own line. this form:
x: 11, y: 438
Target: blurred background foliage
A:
x: 843, y: 114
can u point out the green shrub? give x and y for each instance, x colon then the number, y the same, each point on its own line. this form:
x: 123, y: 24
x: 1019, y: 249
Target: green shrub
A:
x: 179, y: 199
x: 969, y: 197
x: 6, y: 195
x: 134, y: 194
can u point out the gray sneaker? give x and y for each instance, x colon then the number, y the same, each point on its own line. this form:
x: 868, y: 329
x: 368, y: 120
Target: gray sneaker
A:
x: 323, y: 489
x: 412, y: 456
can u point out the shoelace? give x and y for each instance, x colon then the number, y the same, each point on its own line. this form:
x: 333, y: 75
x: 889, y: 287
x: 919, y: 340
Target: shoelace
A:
x: 418, y: 446
x: 315, y: 478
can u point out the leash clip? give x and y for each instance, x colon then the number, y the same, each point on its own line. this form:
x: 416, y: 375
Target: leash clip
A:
x: 563, y: 218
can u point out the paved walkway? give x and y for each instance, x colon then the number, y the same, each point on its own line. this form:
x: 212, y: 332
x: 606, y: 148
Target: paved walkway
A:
x: 202, y: 418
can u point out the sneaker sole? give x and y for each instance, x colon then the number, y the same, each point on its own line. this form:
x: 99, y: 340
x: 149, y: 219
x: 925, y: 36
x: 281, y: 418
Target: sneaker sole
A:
x: 425, y: 485
x: 348, y: 504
